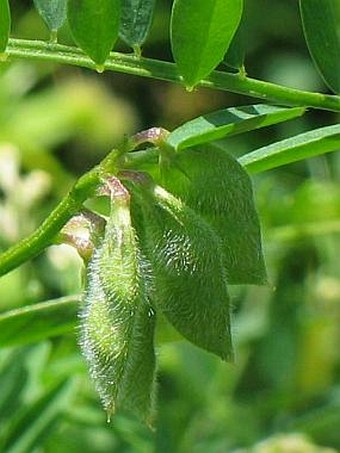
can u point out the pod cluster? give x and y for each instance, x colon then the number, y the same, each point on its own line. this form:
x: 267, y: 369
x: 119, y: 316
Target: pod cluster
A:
x: 170, y: 247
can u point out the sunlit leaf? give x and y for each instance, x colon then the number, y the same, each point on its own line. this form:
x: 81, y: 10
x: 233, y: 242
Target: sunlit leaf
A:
x: 320, y: 21
x: 94, y: 26
x: 201, y: 32
x: 37, y: 322
x: 302, y: 146
x: 235, y: 120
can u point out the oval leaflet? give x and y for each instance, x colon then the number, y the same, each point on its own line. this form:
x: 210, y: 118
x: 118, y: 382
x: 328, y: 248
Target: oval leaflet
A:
x: 94, y: 26
x: 201, y: 32
x: 136, y: 18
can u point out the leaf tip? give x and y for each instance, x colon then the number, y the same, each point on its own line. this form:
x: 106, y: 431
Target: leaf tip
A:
x: 100, y: 68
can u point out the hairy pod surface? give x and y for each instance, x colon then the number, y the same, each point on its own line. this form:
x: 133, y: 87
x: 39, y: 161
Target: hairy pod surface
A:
x: 117, y: 321
x: 216, y: 186
x: 321, y: 30
x: 189, y: 280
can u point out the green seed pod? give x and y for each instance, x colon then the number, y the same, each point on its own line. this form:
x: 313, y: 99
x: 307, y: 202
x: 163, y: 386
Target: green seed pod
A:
x: 189, y: 280
x: 117, y: 321
x: 218, y: 188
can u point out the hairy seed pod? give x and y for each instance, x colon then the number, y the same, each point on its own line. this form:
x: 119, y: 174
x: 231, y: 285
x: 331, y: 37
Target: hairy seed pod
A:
x: 217, y: 187
x: 117, y: 321
x: 189, y: 280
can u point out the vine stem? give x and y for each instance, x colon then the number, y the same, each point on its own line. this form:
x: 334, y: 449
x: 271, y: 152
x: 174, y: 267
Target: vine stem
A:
x: 145, y: 67
x: 44, y: 236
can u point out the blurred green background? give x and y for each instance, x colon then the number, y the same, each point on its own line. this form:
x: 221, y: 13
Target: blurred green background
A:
x: 282, y: 394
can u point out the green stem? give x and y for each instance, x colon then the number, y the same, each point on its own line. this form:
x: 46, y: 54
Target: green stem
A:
x: 34, y: 244
x: 162, y: 70
x: 72, y: 203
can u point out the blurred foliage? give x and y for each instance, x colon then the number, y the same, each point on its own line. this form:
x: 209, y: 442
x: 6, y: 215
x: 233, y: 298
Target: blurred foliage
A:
x: 282, y: 394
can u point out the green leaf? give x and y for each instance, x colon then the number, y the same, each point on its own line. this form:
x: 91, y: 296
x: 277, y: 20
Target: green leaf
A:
x: 308, y: 144
x: 13, y: 378
x: 235, y: 120
x: 94, y: 26
x: 201, y: 32
x: 117, y: 321
x: 5, y: 24
x: 52, y: 11
x: 36, y: 420
x: 135, y: 21
x: 36, y: 322
x: 189, y: 281
x: 235, y: 55
x: 215, y: 185
x: 320, y: 22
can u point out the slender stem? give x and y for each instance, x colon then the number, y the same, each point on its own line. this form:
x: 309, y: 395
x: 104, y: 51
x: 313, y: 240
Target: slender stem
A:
x: 34, y: 244
x: 162, y: 70
x: 85, y: 187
